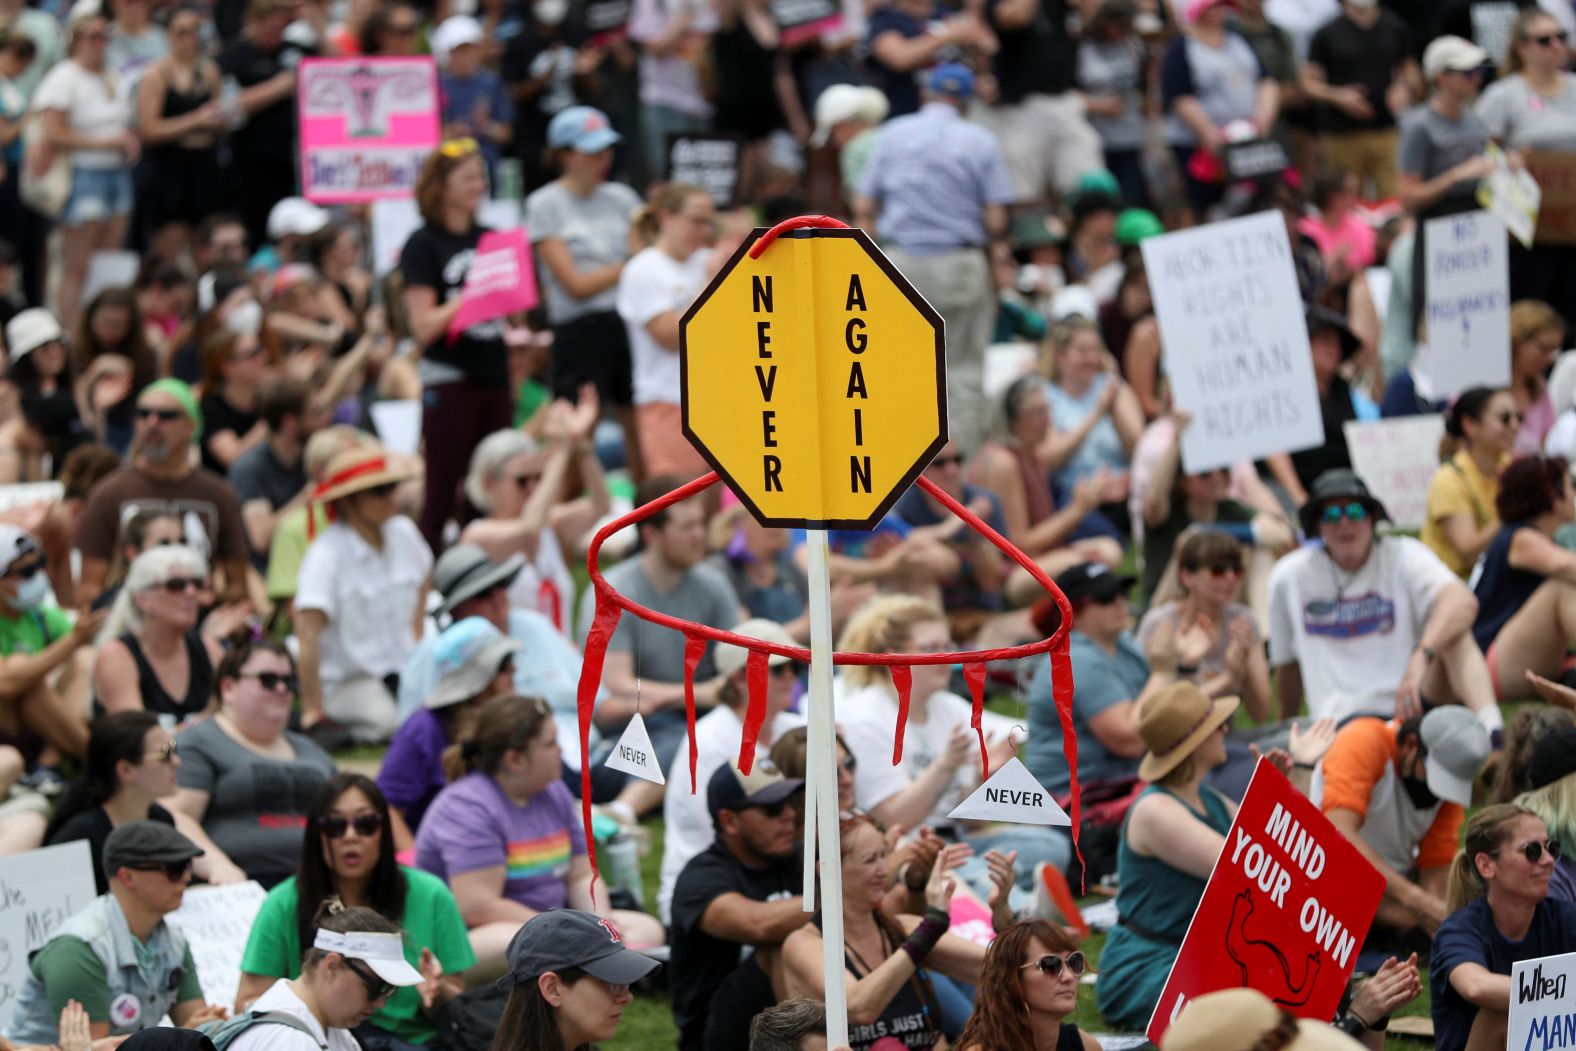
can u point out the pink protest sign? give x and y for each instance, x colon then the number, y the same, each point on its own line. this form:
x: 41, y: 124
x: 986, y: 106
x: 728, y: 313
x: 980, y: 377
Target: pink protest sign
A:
x: 366, y: 126
x: 500, y: 281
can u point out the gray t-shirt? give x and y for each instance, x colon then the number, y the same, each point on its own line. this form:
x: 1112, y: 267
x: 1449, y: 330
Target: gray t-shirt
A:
x: 1520, y: 118
x: 595, y: 229
x: 256, y: 806
x: 1115, y: 69
x: 703, y: 595
x: 1100, y: 680
x: 1432, y: 144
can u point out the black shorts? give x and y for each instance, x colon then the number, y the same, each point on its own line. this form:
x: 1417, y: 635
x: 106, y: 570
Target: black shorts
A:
x: 593, y: 349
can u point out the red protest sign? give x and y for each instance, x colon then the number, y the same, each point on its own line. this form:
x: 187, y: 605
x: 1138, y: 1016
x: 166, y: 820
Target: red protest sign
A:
x: 1285, y: 911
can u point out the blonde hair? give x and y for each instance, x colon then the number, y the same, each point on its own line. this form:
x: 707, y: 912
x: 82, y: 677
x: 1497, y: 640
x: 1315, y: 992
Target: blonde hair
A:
x: 1528, y: 317
x: 492, y: 452
x: 1061, y: 338
x: 1486, y: 832
x: 883, y: 625
x: 1555, y: 805
x: 1519, y: 35
x: 328, y: 443
x: 669, y: 200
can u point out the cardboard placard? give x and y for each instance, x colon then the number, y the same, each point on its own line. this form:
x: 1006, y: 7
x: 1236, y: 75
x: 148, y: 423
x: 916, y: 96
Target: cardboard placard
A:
x: 1285, y: 910
x: 1255, y: 159
x: 1012, y: 793
x: 1234, y: 339
x: 501, y: 280
x: 366, y: 125
x: 1556, y: 177
x: 1541, y: 1012
x: 801, y: 20
x: 634, y: 755
x: 216, y: 921
x: 39, y: 890
x: 1512, y: 196
x: 1467, y: 310
x: 1398, y: 458
x: 708, y: 161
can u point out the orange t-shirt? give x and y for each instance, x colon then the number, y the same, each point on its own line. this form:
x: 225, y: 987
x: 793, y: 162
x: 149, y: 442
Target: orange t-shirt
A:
x: 1358, y: 774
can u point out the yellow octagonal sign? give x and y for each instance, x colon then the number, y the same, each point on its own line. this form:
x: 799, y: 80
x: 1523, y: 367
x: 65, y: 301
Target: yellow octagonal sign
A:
x: 814, y: 379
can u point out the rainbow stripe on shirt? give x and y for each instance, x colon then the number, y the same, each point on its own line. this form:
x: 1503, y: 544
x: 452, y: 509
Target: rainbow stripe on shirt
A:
x: 544, y: 856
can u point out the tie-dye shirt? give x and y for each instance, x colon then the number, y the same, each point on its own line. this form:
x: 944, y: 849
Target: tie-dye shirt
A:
x: 473, y: 825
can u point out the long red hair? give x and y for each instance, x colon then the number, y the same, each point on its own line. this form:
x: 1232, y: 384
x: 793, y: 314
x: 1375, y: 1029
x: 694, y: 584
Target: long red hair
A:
x: 1001, y: 1017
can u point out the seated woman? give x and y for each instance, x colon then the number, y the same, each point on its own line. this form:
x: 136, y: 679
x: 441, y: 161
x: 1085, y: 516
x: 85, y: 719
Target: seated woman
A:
x: 888, y: 987
x: 348, y: 855
x: 1526, y: 586
x: 507, y: 836
x: 243, y: 775
x: 1096, y: 420
x: 152, y: 655
x: 352, y: 965
x: 1461, y: 518
x: 1537, y: 332
x: 1173, y: 833
x: 234, y: 366
x: 1009, y: 465
x: 1177, y: 501
x: 1028, y: 990
x: 141, y: 531
x: 35, y: 440
x: 131, y: 764
x: 1525, y: 732
x: 1209, y: 570
x: 1552, y: 796
x: 1500, y: 912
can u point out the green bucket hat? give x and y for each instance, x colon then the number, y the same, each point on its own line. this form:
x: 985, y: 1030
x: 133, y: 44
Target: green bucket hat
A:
x: 1136, y: 224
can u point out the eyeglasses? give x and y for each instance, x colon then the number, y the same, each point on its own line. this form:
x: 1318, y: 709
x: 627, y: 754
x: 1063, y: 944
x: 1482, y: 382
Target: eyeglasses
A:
x: 23, y: 570
x: 1333, y: 513
x: 1052, y: 965
x: 377, y: 988
x: 947, y: 461
x: 165, y: 754
x: 849, y: 763
x: 163, y: 415
x: 1533, y: 850
x: 1506, y: 416
x: 457, y: 148
x: 174, y: 871
x: 176, y: 585
x: 1545, y: 39
x: 525, y: 481
x: 335, y: 826
x: 272, y: 680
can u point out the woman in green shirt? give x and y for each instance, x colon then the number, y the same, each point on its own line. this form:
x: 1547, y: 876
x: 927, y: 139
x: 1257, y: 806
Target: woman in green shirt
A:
x: 350, y: 854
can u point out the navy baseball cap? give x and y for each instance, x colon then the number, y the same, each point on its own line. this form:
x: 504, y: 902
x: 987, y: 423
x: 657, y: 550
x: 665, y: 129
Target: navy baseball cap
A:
x: 732, y: 789
x: 564, y: 938
x: 951, y: 78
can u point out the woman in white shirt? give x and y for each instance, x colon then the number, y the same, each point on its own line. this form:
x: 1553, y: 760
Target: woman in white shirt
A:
x: 656, y: 287
x: 86, y: 113
x: 356, y: 962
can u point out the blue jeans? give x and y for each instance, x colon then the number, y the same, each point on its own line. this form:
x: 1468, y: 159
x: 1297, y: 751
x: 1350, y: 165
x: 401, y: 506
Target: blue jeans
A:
x: 97, y: 194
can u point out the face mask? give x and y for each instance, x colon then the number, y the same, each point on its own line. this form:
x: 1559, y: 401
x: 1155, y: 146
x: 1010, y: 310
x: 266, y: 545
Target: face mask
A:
x: 31, y: 593
x: 1417, y: 788
x: 246, y: 319
x: 550, y: 12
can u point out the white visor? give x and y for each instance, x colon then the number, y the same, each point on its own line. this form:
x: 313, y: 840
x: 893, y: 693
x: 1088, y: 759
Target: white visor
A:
x: 384, y: 953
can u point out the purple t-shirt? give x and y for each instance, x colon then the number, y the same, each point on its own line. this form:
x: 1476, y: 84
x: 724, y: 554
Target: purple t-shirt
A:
x: 412, y: 773
x: 473, y: 825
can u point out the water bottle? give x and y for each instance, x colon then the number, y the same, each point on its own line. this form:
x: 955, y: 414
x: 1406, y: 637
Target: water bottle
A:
x: 619, y: 858
x: 510, y: 179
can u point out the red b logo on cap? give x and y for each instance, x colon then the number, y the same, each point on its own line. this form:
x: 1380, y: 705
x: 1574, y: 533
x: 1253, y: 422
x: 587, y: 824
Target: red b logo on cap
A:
x: 612, y: 931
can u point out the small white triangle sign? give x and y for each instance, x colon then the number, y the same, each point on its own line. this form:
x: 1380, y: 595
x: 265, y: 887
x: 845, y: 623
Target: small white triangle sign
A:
x: 1012, y: 794
x: 634, y: 755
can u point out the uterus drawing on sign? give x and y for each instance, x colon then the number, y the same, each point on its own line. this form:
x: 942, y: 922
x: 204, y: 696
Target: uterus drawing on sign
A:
x: 1263, y: 956
x: 367, y: 96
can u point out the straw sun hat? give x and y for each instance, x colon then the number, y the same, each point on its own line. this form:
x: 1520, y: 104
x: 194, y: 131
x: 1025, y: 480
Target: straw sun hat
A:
x: 1245, y: 1020
x: 356, y: 470
x: 1176, y: 720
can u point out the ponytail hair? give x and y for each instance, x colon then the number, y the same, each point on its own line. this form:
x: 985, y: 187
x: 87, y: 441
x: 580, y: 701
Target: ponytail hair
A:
x: 503, y: 725
x: 1486, y: 832
x: 670, y: 199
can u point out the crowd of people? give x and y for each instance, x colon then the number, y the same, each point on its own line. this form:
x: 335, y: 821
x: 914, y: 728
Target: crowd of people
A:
x: 243, y: 578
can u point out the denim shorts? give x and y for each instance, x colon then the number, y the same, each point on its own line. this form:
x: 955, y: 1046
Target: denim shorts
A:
x: 97, y: 194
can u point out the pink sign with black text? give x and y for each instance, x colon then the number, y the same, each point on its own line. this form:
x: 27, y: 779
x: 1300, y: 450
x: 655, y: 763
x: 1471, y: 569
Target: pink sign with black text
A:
x: 500, y: 281
x: 366, y: 126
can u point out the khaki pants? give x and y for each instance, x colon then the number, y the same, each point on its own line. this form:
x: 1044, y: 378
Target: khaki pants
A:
x: 958, y: 284
x: 1369, y: 155
x: 1048, y: 142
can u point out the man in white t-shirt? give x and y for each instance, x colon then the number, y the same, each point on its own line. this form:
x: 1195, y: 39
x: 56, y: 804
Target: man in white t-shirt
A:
x: 1363, y: 625
x: 717, y: 740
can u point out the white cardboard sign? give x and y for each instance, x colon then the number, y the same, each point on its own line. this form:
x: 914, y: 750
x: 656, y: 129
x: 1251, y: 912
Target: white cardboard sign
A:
x: 1011, y: 793
x: 1542, y: 1014
x: 216, y: 921
x: 1235, y: 340
x: 39, y: 890
x: 1467, y: 310
x: 1397, y: 458
x: 634, y: 755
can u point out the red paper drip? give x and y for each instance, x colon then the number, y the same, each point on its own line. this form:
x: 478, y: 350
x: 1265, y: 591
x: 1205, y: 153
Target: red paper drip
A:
x: 1062, y: 692
x: 903, y: 680
x: 602, y: 625
x: 974, y: 674
x: 755, y: 714
x: 694, y: 649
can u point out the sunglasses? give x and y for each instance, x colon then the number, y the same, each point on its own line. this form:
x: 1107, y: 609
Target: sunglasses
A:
x: 525, y: 481
x: 174, y: 871
x: 163, y: 415
x: 789, y: 668
x: 1105, y: 600
x: 1546, y: 39
x: 401, y: 29
x: 456, y: 148
x: 377, y: 988
x: 24, y: 570
x: 335, y: 826
x: 386, y: 489
x: 1333, y: 513
x: 272, y: 680
x: 947, y: 461
x: 1217, y: 569
x: 165, y: 754
x: 1052, y: 965
x: 849, y: 763
x: 1533, y: 850
x: 771, y: 809
x: 176, y: 585
x: 1507, y: 416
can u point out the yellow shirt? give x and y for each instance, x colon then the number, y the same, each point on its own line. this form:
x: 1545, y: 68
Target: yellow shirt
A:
x: 1458, y: 488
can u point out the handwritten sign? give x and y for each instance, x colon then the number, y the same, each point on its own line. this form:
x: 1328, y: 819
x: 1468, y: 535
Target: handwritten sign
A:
x: 500, y: 281
x: 1541, y: 1012
x: 1285, y: 911
x: 801, y: 20
x: 1235, y: 341
x: 216, y: 921
x: 1398, y: 457
x: 39, y: 890
x: 1556, y: 177
x: 1467, y: 309
x: 708, y: 161
x: 366, y: 126
x: 1511, y: 196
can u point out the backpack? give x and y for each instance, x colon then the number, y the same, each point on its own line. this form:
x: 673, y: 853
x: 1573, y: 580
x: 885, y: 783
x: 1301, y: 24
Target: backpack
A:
x: 223, y: 1031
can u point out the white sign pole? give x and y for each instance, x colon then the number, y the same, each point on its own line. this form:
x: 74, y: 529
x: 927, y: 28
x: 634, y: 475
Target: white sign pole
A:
x: 821, y: 782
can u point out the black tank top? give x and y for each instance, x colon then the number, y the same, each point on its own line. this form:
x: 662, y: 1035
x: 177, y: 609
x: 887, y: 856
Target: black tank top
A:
x: 199, y: 687
x: 911, y: 1017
